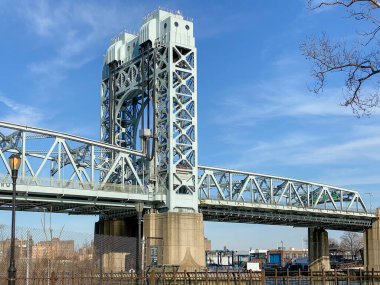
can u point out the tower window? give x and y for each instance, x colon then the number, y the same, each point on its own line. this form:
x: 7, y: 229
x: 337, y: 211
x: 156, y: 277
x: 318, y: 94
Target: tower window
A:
x: 187, y: 27
x: 176, y: 24
x: 165, y: 25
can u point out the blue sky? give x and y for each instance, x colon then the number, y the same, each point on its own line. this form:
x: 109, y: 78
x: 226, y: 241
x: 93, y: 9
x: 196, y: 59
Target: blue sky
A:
x: 255, y: 110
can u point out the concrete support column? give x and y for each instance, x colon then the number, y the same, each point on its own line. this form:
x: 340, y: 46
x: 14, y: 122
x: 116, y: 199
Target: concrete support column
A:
x: 318, y: 243
x: 372, y: 245
x: 175, y: 238
x: 115, y: 243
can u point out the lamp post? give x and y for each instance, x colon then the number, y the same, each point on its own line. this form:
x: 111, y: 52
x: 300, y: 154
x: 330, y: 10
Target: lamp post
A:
x: 14, y: 163
x: 139, y: 209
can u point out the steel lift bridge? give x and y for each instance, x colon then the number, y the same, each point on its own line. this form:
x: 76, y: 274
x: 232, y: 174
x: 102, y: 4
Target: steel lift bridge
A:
x: 148, y: 150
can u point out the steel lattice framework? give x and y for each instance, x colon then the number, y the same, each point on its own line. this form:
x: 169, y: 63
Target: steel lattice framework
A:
x: 148, y: 150
x: 239, y: 196
x: 62, y: 173
x: 59, y: 170
x: 153, y: 90
x: 247, y: 188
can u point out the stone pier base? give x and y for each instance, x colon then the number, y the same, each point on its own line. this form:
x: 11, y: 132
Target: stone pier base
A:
x: 174, y: 239
x: 115, y: 244
x: 372, y: 245
x: 318, y: 242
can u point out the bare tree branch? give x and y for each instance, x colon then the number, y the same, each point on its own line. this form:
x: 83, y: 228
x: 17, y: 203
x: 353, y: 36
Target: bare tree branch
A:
x: 351, y: 242
x: 358, y: 63
x: 343, y: 3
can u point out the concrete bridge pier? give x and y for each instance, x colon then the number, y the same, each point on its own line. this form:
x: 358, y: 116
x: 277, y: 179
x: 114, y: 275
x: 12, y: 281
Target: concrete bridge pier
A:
x: 176, y: 239
x: 115, y: 244
x: 372, y: 245
x: 318, y: 244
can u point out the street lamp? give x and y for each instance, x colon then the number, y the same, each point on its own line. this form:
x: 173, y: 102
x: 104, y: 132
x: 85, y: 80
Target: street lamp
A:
x: 14, y: 163
x: 139, y: 209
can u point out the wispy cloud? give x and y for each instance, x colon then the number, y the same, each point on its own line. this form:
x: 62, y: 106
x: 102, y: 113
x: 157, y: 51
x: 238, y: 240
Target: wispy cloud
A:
x: 352, y: 179
x: 278, y: 124
x: 342, y: 155
x: 343, y: 160
x: 306, y: 149
x: 28, y: 115
x: 40, y: 17
x: 284, y: 93
x: 71, y: 31
x: 279, y: 97
x: 19, y: 113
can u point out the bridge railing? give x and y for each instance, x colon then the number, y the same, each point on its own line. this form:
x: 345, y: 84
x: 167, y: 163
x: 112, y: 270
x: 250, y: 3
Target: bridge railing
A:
x: 252, y: 189
x: 6, y: 182
x: 65, y: 161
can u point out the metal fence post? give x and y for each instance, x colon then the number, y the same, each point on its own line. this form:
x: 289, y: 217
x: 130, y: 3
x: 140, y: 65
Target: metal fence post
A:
x: 323, y: 277
x: 263, y: 278
x: 152, y: 278
x: 164, y: 276
x: 287, y: 276
x: 299, y: 276
x: 53, y: 278
x: 310, y: 275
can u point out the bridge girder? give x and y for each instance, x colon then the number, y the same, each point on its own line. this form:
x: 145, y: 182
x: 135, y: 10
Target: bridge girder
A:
x: 61, y: 172
x: 249, y: 188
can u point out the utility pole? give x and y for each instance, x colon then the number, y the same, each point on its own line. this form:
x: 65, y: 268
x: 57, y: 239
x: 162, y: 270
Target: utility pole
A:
x: 370, y: 194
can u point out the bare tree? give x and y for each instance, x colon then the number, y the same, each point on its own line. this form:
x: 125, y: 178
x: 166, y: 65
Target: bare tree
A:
x: 358, y: 62
x: 351, y: 242
x: 334, y: 247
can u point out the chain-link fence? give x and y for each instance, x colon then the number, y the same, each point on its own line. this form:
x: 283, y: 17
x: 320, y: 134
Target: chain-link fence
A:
x: 38, y: 253
x: 47, y: 257
x: 153, y: 253
x: 204, y: 278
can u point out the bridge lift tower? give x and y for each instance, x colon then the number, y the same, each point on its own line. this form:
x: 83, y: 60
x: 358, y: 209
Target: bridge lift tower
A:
x: 149, y: 103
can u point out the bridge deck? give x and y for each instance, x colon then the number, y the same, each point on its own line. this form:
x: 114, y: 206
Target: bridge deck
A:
x: 113, y: 204
x: 69, y: 174
x: 285, y: 217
